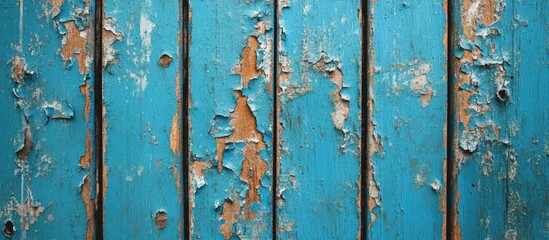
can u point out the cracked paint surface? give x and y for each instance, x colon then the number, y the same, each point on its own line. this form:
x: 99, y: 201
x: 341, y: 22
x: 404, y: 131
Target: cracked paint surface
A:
x: 500, y: 120
x: 46, y: 138
x: 498, y: 144
x: 319, y: 57
x: 230, y: 116
x: 142, y: 99
x: 406, y: 116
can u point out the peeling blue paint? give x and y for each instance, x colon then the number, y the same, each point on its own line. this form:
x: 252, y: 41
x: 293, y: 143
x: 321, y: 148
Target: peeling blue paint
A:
x: 319, y: 120
x: 407, y: 97
x: 226, y: 83
x: 143, y: 122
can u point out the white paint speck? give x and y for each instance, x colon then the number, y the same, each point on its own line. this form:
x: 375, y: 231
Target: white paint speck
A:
x: 306, y: 9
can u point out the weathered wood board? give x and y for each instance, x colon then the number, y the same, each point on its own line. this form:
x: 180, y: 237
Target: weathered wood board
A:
x: 319, y: 127
x: 142, y: 178
x: 230, y: 119
x: 407, y: 102
x: 47, y: 119
x: 500, y: 141
x: 274, y: 119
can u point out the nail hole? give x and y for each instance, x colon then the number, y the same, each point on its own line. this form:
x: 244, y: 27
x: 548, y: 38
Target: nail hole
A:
x: 503, y: 94
x: 165, y: 60
x: 9, y: 229
x: 161, y: 219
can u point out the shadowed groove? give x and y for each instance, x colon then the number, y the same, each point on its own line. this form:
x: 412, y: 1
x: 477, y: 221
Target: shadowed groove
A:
x: 98, y: 116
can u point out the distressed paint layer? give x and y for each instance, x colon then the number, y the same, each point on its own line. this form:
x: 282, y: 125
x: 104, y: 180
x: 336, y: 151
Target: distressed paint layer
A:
x: 46, y: 136
x: 500, y: 64
x: 142, y: 100
x: 407, y: 115
x: 230, y: 115
x: 319, y: 126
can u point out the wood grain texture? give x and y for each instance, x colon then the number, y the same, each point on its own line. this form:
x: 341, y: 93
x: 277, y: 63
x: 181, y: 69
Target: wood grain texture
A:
x: 407, y: 103
x: 500, y: 120
x: 47, y: 115
x: 319, y: 128
x: 142, y: 116
x: 230, y: 118
x: 490, y: 120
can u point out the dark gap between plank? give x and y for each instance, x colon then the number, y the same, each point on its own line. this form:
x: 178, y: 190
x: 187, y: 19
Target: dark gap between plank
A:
x: 98, y: 116
x: 364, y: 123
x: 450, y: 119
x: 275, y: 124
x: 185, y: 8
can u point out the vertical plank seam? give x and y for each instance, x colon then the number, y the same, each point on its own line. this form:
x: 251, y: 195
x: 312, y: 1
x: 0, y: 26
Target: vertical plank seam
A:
x: 185, y: 8
x: 98, y: 116
x: 275, y: 124
x: 364, y: 115
x: 507, y: 157
x: 450, y: 115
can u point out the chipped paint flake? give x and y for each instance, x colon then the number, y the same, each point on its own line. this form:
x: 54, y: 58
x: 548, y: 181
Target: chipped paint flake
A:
x: 341, y: 102
x: 161, y: 219
x: 110, y: 36
x: 231, y: 210
x: 85, y: 160
x: 420, y: 83
x: 58, y: 110
x: 55, y: 7
x: 74, y: 43
x: 197, y: 173
x: 247, y: 68
x: 245, y: 131
x: 19, y: 69
x: 89, y: 204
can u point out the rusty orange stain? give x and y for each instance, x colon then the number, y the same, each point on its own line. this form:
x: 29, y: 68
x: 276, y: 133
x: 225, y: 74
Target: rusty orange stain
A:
x: 245, y: 130
x: 18, y: 70
x: 230, y: 215
x: 75, y: 44
x: 90, y: 208
x: 175, y: 132
x: 105, y: 172
x: 341, y: 105
x: 85, y: 160
x: 483, y: 10
x: 456, y: 228
x: 374, y: 145
x: 247, y: 67
x: 165, y: 60
x: 56, y: 7
x: 442, y: 199
x: 426, y: 96
x: 161, y: 219
x: 109, y: 37
x: 24, y: 152
x: 198, y: 168
x: 29, y: 212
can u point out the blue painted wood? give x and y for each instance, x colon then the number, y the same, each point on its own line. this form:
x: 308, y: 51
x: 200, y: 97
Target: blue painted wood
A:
x: 407, y: 103
x: 498, y: 137
x: 500, y: 121
x: 230, y: 118
x: 46, y: 184
x: 142, y: 117
x: 319, y: 128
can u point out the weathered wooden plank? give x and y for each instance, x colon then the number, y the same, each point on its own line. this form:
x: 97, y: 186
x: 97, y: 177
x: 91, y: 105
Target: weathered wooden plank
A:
x: 142, y: 120
x: 319, y: 59
x: 46, y: 183
x: 230, y: 115
x: 407, y: 99
x: 501, y: 119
